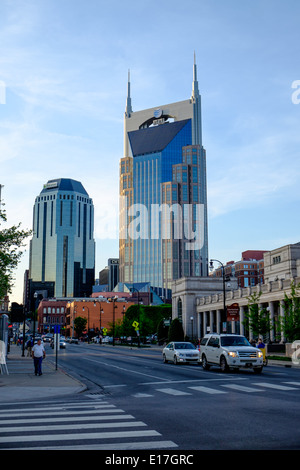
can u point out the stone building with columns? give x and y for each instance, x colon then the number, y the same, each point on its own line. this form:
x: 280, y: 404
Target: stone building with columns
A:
x: 199, y: 302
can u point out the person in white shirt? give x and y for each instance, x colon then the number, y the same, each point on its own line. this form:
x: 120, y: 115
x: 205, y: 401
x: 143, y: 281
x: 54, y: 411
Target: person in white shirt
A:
x: 38, y: 354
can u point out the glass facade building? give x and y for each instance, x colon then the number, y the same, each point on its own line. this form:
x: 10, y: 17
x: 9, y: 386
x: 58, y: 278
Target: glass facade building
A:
x: 163, y: 203
x: 62, y: 249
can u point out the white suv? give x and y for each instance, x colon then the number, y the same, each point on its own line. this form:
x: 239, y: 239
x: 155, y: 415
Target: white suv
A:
x: 229, y: 351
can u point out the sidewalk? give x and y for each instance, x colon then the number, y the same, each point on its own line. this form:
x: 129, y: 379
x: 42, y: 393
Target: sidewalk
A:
x: 21, y: 384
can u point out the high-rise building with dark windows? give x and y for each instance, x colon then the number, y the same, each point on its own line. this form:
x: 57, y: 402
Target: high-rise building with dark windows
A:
x: 163, y: 186
x: 62, y: 249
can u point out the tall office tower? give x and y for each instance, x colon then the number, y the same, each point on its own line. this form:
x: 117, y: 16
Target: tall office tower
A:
x: 62, y: 249
x: 163, y: 201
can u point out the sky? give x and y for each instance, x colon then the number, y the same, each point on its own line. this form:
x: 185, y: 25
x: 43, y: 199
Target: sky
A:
x: 63, y: 85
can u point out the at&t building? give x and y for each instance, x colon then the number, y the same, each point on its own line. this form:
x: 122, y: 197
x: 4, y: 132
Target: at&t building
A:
x: 163, y: 195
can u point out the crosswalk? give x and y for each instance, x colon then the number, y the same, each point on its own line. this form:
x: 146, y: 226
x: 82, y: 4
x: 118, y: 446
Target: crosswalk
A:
x: 90, y: 425
x: 222, y: 388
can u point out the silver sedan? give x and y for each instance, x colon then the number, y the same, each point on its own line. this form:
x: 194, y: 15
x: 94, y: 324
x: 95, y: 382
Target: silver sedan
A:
x: 180, y: 352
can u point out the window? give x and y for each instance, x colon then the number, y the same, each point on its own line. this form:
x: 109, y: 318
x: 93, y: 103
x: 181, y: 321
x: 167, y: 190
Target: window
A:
x: 213, y: 341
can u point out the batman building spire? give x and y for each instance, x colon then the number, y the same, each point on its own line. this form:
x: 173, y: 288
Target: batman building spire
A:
x: 196, y: 100
x: 128, y: 110
x: 164, y: 165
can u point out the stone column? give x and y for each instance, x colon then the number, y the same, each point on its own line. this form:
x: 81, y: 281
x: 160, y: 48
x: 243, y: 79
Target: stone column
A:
x: 218, y: 321
x: 270, y: 308
x: 242, y: 318
x: 281, y: 314
x: 204, y: 323
x: 211, y: 321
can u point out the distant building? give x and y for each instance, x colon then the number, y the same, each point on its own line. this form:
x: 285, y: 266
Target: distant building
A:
x: 62, y: 249
x: 51, y: 313
x: 113, y: 273
x: 249, y: 271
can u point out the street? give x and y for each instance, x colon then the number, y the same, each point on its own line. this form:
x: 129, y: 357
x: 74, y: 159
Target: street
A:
x: 179, y: 407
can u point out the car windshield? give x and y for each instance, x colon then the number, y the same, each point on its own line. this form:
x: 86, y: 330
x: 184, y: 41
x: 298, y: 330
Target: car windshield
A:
x: 234, y: 341
x: 184, y: 346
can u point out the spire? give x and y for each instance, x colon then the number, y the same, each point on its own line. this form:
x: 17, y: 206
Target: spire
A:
x: 196, y: 101
x: 195, y: 89
x: 128, y: 110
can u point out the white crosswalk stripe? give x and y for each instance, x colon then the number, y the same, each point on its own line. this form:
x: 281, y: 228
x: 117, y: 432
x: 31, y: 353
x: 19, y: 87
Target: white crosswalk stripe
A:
x: 254, y: 388
x: 275, y: 386
x: 242, y: 388
x: 172, y: 391
x: 211, y: 391
x: 87, y: 424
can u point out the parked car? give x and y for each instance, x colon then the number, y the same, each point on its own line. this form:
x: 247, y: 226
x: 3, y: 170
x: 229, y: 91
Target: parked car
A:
x: 180, y: 352
x: 107, y: 339
x: 230, y: 351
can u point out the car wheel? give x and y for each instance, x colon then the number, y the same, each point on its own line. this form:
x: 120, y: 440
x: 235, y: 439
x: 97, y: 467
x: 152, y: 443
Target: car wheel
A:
x: 223, y: 364
x: 204, y: 363
x: 257, y: 370
x: 164, y: 359
x: 175, y: 360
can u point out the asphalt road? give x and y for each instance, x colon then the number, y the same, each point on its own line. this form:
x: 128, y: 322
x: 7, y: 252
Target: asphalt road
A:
x: 196, y: 409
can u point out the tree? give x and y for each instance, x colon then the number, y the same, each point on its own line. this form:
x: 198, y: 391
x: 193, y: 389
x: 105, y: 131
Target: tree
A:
x: 289, y: 323
x: 79, y: 325
x: 162, y: 332
x: 11, y: 241
x: 147, y: 316
x: 257, y: 318
x: 176, y: 331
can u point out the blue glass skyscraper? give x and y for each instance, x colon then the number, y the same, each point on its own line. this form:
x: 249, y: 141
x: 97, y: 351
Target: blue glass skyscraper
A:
x: 62, y: 249
x: 164, y: 167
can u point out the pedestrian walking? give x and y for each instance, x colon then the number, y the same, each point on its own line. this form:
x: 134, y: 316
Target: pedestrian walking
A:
x: 29, y: 345
x: 38, y: 354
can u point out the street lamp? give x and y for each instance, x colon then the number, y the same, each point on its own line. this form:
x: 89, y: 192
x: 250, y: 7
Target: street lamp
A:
x: 88, y: 325
x: 192, y: 321
x: 100, y: 317
x: 224, y: 316
x: 133, y: 289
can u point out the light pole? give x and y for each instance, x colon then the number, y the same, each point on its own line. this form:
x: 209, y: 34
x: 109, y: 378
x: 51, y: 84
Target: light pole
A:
x: 114, y: 306
x: 224, y: 316
x: 192, y: 321
x: 133, y: 289
x: 100, y: 317
x: 88, y: 325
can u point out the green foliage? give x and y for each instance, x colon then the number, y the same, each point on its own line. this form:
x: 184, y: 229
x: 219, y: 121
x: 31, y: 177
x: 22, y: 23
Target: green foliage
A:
x: 289, y: 323
x: 79, y: 325
x: 147, y: 316
x: 176, y: 332
x: 11, y: 240
x: 257, y: 318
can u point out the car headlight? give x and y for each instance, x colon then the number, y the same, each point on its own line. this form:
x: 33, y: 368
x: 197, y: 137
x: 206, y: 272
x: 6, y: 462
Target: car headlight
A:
x: 232, y: 354
x: 259, y: 354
